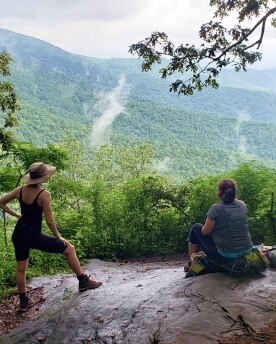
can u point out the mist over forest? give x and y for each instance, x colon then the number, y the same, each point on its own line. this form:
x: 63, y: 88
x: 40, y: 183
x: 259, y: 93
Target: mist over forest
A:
x: 111, y: 101
x: 140, y: 150
x: 136, y: 164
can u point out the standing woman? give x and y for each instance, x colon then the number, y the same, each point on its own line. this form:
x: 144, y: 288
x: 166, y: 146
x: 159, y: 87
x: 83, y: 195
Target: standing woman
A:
x: 34, y: 201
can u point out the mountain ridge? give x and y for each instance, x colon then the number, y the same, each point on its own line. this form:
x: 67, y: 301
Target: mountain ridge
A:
x: 69, y: 89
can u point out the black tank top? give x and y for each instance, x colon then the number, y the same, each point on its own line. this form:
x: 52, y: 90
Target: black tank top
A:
x: 31, y: 212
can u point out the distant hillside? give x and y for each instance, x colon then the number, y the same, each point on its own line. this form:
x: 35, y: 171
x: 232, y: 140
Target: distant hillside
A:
x: 213, y: 130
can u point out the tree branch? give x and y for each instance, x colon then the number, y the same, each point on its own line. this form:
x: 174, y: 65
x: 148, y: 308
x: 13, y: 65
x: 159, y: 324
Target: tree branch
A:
x: 259, y: 41
x: 261, y: 21
x: 210, y: 59
x: 18, y: 168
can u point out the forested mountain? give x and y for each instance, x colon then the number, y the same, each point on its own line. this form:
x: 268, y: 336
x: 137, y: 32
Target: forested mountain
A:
x: 210, y: 132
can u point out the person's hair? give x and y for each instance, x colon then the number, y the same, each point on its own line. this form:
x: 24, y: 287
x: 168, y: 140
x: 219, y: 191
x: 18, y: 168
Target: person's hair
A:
x: 227, y: 190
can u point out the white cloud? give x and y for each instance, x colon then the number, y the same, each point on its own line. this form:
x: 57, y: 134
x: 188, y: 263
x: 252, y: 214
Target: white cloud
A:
x: 162, y: 165
x: 243, y: 116
x: 111, y: 106
x: 107, y: 28
x: 52, y: 10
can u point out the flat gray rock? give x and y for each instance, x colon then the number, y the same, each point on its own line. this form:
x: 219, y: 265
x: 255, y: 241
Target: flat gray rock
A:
x: 147, y: 303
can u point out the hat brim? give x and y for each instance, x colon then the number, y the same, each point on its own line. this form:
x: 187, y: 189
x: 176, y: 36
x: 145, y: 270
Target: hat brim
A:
x: 50, y: 171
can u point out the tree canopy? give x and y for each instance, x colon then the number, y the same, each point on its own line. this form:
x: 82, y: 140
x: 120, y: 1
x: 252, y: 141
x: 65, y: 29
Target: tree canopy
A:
x: 8, y: 103
x: 222, y: 46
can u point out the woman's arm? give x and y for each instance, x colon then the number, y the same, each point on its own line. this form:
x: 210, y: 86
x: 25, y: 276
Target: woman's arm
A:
x: 47, y: 209
x: 7, y: 199
x: 208, y: 226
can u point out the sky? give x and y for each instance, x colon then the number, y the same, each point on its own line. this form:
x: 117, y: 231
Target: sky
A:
x: 106, y: 28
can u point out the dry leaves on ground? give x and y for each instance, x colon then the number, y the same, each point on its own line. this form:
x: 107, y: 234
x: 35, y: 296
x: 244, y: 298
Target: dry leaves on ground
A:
x: 11, y: 317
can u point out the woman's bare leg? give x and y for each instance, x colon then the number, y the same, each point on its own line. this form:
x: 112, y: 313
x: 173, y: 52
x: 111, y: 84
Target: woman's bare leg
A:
x: 73, y: 260
x: 193, y: 248
x: 85, y: 282
x: 21, y: 275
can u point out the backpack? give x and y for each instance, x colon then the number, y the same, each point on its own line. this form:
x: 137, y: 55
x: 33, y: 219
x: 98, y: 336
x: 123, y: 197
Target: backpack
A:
x: 271, y: 256
x: 250, y: 264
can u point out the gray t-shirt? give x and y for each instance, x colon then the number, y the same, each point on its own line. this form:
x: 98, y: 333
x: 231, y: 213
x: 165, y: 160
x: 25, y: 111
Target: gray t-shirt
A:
x: 230, y: 233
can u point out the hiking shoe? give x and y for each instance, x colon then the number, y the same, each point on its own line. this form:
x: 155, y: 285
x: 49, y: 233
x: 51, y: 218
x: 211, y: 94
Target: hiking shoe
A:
x: 88, y: 283
x: 26, y: 304
x: 187, y: 266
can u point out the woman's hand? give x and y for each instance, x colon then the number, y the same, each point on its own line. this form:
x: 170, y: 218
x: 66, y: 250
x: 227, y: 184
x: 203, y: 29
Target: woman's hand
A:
x: 66, y: 242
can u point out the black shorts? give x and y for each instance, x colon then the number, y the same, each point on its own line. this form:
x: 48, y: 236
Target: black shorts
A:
x: 206, y: 244
x: 24, y: 239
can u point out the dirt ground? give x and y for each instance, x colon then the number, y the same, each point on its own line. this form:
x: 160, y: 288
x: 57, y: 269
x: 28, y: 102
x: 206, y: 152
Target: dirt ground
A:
x: 11, y: 317
x: 267, y: 335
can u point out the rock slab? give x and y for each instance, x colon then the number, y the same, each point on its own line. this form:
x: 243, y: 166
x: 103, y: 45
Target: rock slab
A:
x: 147, y: 303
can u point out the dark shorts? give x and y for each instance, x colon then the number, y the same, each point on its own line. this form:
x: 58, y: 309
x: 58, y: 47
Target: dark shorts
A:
x: 206, y: 243
x: 24, y: 239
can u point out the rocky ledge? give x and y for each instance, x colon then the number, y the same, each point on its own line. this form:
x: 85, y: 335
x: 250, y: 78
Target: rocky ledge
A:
x: 147, y: 303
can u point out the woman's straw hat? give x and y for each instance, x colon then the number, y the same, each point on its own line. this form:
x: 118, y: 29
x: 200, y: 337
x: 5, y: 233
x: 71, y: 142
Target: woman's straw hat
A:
x: 39, y: 173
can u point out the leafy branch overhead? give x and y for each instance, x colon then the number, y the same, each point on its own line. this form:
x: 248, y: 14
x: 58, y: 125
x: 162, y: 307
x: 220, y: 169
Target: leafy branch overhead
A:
x: 221, y: 46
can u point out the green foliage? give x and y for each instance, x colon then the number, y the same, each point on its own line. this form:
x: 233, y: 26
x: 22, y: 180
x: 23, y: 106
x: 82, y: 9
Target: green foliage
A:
x: 197, y: 143
x: 7, y: 263
x: 203, y: 195
x: 135, y: 161
x: 8, y: 177
x: 117, y: 202
x: 40, y: 127
x: 252, y: 179
x: 103, y: 166
x: 221, y: 46
x: 21, y: 155
x: 141, y: 216
x: 108, y: 213
x: 8, y: 103
x: 256, y: 187
x: 27, y: 153
x: 60, y: 94
x: 155, y: 213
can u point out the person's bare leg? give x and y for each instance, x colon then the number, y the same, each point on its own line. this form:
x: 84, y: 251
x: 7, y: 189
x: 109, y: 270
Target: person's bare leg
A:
x: 21, y: 275
x: 73, y: 260
x: 85, y: 282
x: 193, y: 248
x: 25, y: 302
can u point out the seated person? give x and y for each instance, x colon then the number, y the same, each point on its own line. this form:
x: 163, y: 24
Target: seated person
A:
x: 225, y: 236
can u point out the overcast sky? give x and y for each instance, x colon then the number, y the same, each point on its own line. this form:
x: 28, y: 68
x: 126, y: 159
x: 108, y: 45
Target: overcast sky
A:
x: 106, y: 28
